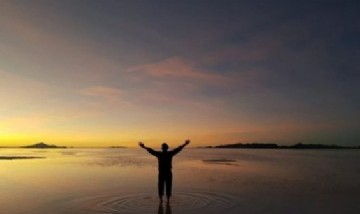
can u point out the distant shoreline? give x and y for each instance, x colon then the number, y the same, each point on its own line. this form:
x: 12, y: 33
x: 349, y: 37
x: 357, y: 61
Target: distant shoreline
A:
x: 222, y: 146
x: 275, y: 146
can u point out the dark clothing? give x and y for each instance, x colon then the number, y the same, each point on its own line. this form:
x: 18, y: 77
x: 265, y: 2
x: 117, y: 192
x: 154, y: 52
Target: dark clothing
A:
x: 164, y: 167
x: 165, y: 178
x: 165, y: 158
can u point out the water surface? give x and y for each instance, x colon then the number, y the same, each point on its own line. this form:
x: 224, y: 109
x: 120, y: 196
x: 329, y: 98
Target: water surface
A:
x: 205, y: 181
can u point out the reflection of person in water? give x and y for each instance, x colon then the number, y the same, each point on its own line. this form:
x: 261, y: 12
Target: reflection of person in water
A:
x: 161, y: 208
x: 165, y: 165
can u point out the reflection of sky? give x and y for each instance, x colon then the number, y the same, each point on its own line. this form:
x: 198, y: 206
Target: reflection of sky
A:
x: 100, y: 73
x: 275, y: 180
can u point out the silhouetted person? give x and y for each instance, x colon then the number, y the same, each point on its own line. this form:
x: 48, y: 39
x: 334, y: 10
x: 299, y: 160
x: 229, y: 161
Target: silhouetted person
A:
x: 164, y: 166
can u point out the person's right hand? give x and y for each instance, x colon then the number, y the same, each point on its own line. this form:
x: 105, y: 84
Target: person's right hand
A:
x: 141, y: 144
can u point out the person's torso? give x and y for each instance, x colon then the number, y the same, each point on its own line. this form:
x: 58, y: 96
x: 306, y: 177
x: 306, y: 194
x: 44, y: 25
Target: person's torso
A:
x: 165, y: 161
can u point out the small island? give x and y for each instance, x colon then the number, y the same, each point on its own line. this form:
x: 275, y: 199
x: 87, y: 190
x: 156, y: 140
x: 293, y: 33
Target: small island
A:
x: 43, y: 145
x: 18, y: 157
x: 275, y: 146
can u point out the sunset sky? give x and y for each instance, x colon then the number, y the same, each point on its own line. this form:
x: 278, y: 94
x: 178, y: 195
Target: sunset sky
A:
x: 112, y: 73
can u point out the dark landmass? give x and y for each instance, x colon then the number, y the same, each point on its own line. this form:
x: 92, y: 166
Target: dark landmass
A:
x: 17, y: 157
x: 42, y: 145
x: 275, y: 146
x: 118, y: 147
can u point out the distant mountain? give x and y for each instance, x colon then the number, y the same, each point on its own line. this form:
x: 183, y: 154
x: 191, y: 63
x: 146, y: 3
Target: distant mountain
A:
x: 42, y: 145
x: 275, y: 146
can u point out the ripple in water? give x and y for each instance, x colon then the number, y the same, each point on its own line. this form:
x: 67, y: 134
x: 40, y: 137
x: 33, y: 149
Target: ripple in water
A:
x: 146, y: 203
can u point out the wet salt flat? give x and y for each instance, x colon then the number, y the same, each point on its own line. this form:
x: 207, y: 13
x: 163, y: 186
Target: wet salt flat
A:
x: 145, y: 202
x: 205, y: 181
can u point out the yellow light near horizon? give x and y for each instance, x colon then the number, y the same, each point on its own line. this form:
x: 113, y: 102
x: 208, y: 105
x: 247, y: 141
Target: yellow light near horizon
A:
x: 69, y: 139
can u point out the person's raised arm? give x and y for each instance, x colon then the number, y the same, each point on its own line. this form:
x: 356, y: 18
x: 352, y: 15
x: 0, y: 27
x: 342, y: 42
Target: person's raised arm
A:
x: 142, y: 145
x: 178, y: 149
x: 150, y: 150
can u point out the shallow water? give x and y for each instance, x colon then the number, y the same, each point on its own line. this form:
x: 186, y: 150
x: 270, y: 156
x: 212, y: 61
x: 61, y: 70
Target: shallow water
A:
x: 205, y: 181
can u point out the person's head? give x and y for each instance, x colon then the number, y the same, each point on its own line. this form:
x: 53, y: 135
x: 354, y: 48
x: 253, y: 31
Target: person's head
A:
x: 164, y: 147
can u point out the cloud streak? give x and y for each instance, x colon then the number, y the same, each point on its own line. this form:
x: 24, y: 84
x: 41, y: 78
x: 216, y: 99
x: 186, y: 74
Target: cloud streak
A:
x: 177, y: 68
x: 108, y: 93
x: 175, y: 81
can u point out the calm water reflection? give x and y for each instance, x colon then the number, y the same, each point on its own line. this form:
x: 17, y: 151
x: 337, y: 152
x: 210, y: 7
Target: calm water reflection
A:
x: 205, y: 181
x: 161, y: 208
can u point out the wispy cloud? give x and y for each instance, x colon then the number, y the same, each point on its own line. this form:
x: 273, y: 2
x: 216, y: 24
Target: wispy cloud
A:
x: 176, y: 82
x: 104, y: 92
x: 176, y: 68
x: 107, y: 97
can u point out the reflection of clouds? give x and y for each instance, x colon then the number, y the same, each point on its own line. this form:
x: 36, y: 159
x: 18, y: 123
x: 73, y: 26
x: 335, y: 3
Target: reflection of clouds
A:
x: 68, y: 153
x: 40, y: 151
x: 221, y: 161
x: 122, y: 161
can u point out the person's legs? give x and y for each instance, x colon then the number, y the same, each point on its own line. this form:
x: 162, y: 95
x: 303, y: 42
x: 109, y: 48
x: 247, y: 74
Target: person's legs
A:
x: 168, y: 184
x: 161, y: 182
